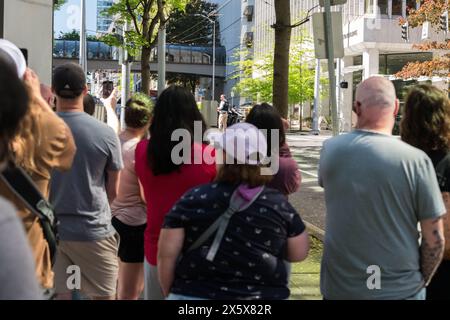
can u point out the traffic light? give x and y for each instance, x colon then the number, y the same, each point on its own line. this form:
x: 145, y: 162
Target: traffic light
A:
x: 405, y: 31
x: 444, y: 21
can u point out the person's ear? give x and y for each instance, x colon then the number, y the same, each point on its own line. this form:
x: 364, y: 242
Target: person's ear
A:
x: 397, y: 108
x: 357, y: 108
x: 85, y: 90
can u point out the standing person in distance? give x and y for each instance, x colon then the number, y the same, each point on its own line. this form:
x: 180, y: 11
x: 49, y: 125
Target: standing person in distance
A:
x: 223, y: 113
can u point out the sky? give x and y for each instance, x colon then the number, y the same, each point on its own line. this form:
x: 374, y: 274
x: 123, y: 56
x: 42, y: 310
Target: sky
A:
x: 68, y: 17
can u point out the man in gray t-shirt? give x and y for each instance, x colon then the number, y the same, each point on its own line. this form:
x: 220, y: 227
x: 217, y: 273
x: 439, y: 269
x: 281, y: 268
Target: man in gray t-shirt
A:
x: 377, y: 190
x: 82, y: 196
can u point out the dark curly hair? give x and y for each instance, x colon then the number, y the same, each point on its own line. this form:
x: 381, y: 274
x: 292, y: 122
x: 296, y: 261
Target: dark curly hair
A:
x: 426, y: 119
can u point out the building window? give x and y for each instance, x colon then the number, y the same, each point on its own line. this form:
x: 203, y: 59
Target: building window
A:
x: 397, y: 7
x: 393, y: 63
x: 411, y: 4
x: 383, y: 7
x: 248, y: 12
x: 368, y: 6
x: 357, y: 60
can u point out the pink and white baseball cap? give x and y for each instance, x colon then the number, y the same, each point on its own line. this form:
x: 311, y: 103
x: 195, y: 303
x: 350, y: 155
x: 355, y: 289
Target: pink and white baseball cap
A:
x: 244, y: 143
x: 15, y: 55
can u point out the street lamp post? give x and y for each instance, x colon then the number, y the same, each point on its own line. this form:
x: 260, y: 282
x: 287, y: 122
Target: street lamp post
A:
x: 83, y: 45
x: 214, y: 61
x: 126, y: 73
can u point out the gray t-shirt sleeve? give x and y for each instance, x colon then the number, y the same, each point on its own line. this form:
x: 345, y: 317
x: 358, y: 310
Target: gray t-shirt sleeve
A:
x: 429, y: 203
x: 115, y: 160
x: 17, y: 274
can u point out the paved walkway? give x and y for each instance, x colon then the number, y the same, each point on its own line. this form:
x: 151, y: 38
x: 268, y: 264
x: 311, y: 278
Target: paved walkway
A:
x: 310, y: 203
x: 309, y: 200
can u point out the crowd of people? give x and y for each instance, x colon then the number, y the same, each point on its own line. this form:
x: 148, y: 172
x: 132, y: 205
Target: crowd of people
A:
x: 134, y: 222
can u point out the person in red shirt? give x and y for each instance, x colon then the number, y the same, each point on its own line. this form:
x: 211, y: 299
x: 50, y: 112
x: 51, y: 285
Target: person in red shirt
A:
x: 164, y: 179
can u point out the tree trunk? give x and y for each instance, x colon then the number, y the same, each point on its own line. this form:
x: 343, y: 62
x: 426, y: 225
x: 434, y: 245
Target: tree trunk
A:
x: 281, y: 56
x: 145, y: 70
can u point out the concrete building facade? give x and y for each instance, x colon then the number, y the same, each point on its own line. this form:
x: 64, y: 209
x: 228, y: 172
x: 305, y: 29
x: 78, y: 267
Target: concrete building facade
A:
x: 29, y: 25
x: 237, y: 30
x: 372, y: 41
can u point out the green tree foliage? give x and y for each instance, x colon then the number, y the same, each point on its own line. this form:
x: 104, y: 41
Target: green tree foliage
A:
x: 145, y: 17
x: 189, y: 27
x: 75, y: 35
x: 58, y: 4
x: 256, y: 77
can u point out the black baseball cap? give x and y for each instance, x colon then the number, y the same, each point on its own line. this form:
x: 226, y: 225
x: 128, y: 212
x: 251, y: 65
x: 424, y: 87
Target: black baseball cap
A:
x: 69, y: 81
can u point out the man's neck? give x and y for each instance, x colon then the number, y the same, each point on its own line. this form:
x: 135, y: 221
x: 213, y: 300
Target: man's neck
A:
x: 69, y: 107
x: 375, y: 128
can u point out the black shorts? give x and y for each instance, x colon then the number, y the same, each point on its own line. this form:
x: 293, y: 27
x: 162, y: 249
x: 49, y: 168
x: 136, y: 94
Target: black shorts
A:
x: 131, y: 247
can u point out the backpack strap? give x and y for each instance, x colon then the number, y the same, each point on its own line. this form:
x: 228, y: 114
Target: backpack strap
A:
x: 21, y: 185
x: 237, y: 204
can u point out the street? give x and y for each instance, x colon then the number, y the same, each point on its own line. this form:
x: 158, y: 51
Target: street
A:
x: 309, y: 200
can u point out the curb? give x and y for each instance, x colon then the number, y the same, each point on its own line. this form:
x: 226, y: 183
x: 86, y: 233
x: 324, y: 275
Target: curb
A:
x: 314, y: 231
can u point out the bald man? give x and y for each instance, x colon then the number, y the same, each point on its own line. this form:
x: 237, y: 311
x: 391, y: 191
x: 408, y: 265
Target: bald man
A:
x: 377, y: 190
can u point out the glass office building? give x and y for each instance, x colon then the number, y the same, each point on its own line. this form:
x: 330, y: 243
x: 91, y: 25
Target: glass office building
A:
x: 103, y: 21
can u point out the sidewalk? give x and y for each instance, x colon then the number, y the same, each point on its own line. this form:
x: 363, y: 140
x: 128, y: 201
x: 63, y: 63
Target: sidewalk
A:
x: 305, y: 278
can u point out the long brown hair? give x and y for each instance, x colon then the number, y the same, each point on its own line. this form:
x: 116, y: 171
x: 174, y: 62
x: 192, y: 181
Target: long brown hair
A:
x: 426, y: 119
x: 242, y: 174
x: 28, y: 139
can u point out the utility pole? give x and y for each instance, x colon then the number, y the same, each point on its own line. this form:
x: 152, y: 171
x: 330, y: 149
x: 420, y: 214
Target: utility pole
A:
x: 83, y: 44
x: 331, y: 71
x: 161, y: 59
x: 214, y: 61
x: 315, y: 124
x: 126, y: 73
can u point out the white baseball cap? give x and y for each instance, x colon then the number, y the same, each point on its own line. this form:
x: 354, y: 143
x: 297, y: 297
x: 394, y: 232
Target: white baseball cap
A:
x: 244, y: 143
x: 13, y: 52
